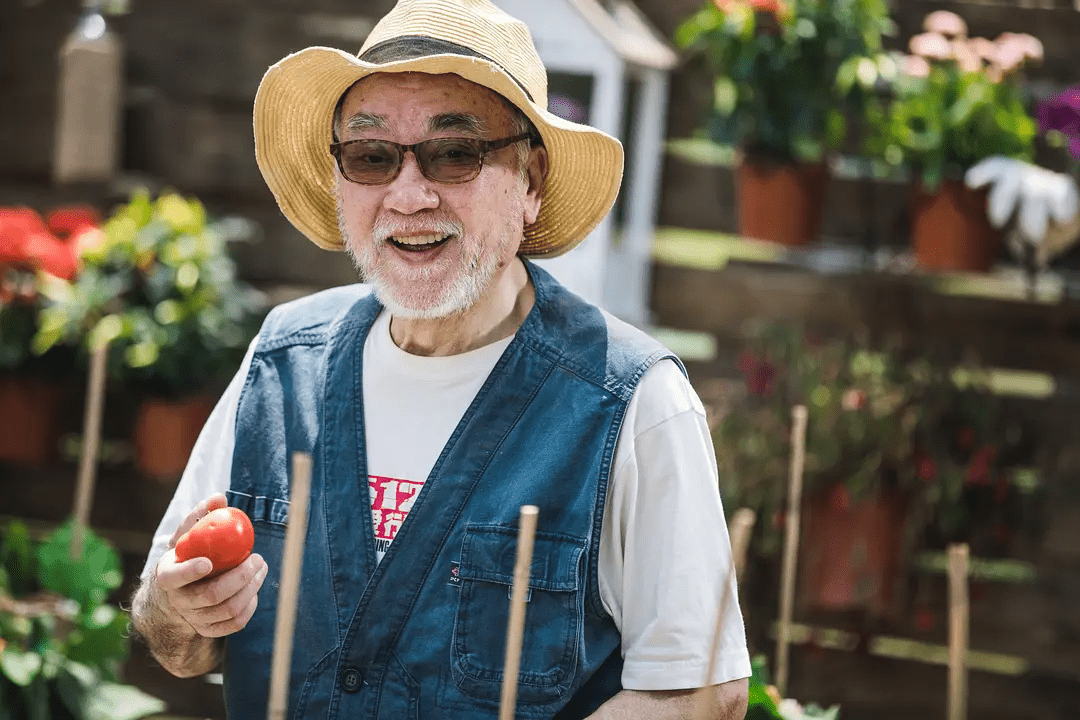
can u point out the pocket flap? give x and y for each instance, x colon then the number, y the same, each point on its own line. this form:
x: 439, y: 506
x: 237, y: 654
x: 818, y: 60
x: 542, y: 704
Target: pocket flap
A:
x: 489, y: 552
x: 260, y: 508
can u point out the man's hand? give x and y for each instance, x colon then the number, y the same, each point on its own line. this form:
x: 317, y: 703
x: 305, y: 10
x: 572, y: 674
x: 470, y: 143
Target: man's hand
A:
x: 182, y: 616
x: 726, y: 701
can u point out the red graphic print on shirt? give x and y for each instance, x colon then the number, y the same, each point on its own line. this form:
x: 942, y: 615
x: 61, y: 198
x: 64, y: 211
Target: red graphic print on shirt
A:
x: 391, y: 500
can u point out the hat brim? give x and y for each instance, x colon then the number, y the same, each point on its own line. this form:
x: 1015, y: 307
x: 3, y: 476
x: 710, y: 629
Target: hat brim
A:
x: 295, y: 103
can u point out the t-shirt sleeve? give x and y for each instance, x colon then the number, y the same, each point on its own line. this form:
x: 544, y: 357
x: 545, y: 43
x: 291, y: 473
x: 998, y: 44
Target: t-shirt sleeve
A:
x: 665, y: 555
x: 210, y: 466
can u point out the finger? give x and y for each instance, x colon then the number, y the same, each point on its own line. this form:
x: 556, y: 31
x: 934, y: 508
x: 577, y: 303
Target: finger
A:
x: 228, y: 627
x: 232, y: 608
x: 218, y: 590
x: 172, y: 575
x: 214, y: 502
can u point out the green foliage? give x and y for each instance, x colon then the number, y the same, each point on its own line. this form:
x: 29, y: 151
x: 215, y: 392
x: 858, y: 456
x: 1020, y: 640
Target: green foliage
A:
x: 163, y: 293
x: 62, y: 644
x: 942, y: 124
x: 788, y: 76
x: 764, y: 701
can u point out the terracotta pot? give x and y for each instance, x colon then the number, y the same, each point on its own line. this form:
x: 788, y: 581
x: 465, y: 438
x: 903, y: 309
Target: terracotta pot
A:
x: 780, y: 203
x: 852, y: 551
x: 30, y: 417
x: 950, y: 230
x: 165, y: 433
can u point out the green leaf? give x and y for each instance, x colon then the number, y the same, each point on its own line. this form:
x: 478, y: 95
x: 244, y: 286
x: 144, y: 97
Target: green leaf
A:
x: 20, y: 666
x: 17, y: 558
x: 89, y: 579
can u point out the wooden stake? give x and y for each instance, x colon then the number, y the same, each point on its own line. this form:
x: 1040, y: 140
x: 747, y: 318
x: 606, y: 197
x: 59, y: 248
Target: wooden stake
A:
x: 742, y: 522
x: 958, y: 630
x: 84, y: 487
x: 289, y: 590
x: 791, y: 544
x: 515, y: 626
x: 739, y: 529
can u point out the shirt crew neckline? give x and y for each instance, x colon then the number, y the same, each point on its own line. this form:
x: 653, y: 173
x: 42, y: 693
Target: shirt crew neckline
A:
x: 426, y: 368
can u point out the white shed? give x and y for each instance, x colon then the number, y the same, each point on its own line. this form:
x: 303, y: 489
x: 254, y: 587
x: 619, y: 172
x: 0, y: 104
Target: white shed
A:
x: 608, y: 67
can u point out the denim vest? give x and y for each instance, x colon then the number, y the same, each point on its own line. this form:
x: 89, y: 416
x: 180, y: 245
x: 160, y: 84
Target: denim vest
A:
x: 424, y: 636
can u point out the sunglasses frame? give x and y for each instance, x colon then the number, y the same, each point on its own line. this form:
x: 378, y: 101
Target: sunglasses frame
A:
x: 483, y: 148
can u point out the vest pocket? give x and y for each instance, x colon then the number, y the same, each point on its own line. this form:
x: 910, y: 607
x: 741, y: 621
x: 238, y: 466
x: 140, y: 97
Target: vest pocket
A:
x: 553, y: 616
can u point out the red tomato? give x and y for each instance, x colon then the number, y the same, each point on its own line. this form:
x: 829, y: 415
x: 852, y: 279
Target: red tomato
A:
x: 224, y: 535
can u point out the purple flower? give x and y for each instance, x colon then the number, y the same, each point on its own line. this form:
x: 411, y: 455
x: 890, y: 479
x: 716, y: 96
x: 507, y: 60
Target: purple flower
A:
x: 1062, y: 113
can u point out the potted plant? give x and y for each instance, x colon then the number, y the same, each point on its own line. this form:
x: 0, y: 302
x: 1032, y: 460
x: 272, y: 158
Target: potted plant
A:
x: 62, y: 645
x: 788, y: 75
x: 32, y: 388
x: 955, y: 101
x: 892, y: 445
x: 162, y: 293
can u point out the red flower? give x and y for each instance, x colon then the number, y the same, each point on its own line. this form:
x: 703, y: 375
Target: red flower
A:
x: 26, y: 242
x: 759, y: 374
x: 926, y: 468
x: 978, y: 472
x: 69, y: 220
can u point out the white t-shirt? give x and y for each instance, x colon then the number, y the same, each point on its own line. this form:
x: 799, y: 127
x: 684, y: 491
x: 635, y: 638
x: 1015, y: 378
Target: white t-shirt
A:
x: 664, y: 549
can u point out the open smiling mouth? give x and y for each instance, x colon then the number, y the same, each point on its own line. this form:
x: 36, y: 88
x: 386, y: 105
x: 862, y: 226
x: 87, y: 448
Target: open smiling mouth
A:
x: 419, y: 243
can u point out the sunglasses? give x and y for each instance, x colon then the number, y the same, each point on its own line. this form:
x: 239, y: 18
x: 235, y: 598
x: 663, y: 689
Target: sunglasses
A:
x: 442, y: 160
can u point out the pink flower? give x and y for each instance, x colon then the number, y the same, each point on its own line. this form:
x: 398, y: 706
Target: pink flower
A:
x: 853, y: 399
x: 945, y: 23
x: 967, y: 57
x: 914, y: 66
x: 932, y: 46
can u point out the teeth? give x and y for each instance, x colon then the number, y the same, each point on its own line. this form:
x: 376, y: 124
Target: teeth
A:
x: 418, y: 239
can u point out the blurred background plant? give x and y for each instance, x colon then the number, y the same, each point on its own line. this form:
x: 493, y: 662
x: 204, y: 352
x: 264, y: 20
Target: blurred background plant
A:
x: 878, y: 422
x: 62, y: 644
x: 788, y: 74
x: 31, y: 249
x: 954, y: 100
x: 160, y: 288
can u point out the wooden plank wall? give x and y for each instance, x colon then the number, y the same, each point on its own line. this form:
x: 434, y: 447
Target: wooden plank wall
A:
x: 1032, y: 622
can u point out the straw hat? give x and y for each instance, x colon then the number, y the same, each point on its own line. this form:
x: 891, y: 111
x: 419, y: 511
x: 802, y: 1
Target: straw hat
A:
x: 295, y: 103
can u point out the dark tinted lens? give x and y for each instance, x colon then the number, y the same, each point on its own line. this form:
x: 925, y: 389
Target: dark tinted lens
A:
x: 449, y: 160
x: 369, y: 161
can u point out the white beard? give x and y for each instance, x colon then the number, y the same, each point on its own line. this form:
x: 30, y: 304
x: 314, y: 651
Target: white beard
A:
x: 402, y: 298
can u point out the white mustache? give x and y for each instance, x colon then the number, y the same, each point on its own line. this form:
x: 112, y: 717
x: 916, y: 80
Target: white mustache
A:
x: 386, y: 228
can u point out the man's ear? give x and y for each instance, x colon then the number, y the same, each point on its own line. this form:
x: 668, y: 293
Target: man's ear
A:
x: 536, y: 175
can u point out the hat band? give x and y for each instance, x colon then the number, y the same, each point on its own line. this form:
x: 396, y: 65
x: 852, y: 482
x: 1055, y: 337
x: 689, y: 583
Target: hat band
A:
x: 406, y: 47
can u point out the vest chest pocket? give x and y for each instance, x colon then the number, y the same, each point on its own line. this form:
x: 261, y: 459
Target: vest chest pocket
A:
x: 553, y: 617
x: 269, y: 517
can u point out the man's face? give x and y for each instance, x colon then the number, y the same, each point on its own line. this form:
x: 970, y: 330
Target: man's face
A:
x: 432, y: 249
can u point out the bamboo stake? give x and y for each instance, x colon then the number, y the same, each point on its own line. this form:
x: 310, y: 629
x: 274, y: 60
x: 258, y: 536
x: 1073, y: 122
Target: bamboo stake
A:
x: 791, y: 544
x: 289, y: 590
x: 84, y: 487
x: 958, y: 630
x: 515, y: 626
x: 742, y: 522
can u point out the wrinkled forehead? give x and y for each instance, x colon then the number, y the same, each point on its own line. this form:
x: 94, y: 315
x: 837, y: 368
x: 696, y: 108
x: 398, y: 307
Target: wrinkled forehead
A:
x: 431, y: 93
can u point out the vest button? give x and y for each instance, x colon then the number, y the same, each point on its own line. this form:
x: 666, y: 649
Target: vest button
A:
x: 350, y: 680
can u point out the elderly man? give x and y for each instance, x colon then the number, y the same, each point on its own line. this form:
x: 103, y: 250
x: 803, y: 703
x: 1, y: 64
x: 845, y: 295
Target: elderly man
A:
x: 458, y: 384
